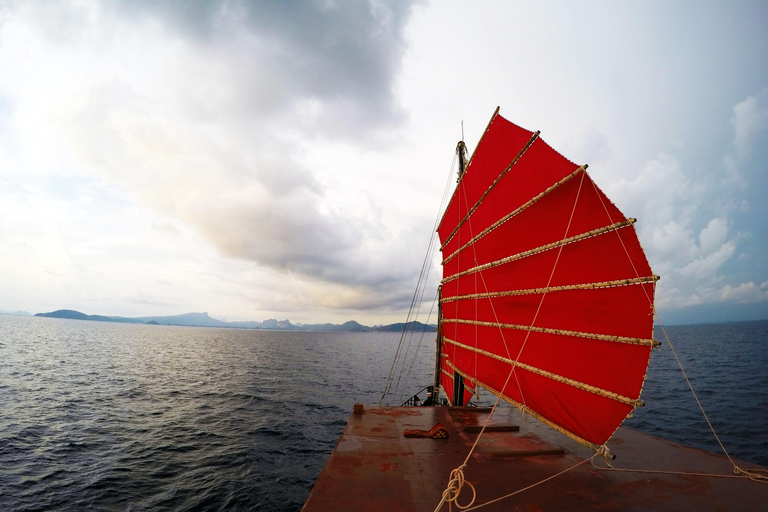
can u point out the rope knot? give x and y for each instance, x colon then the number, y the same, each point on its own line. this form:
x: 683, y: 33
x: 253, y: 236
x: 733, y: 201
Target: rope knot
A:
x: 455, y: 484
x: 752, y: 475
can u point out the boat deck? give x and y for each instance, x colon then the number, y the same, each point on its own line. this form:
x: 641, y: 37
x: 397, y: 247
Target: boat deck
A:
x: 374, y: 467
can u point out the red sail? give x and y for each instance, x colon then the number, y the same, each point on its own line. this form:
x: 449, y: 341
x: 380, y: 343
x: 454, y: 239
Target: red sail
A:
x: 543, y: 274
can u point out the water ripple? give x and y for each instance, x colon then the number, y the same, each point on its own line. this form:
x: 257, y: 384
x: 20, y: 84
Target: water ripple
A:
x: 104, y: 416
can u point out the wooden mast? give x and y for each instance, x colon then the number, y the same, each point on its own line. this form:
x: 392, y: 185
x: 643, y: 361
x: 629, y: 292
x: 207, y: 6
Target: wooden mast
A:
x: 461, y: 150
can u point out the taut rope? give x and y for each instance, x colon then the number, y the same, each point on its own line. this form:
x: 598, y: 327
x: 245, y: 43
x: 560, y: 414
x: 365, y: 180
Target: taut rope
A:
x: 456, y: 480
x: 739, y: 471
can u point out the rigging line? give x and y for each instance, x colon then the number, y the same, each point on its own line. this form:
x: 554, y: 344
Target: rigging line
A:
x: 425, y: 279
x: 408, y: 334
x: 530, y: 486
x: 418, y: 298
x: 390, y: 377
x: 536, y: 250
x: 736, y: 469
x: 488, y: 191
x: 412, y: 318
x: 527, y: 335
x: 541, y: 301
x: 600, y: 196
x: 515, y: 212
x: 759, y: 478
x: 418, y: 346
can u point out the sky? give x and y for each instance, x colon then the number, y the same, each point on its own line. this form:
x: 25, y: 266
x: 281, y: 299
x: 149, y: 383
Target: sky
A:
x: 270, y: 159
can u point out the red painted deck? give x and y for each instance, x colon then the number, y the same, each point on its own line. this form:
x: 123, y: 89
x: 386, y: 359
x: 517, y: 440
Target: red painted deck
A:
x: 374, y: 467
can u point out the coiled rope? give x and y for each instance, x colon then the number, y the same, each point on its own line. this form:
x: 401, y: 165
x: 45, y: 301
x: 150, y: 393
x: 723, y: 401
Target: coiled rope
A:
x: 458, y: 483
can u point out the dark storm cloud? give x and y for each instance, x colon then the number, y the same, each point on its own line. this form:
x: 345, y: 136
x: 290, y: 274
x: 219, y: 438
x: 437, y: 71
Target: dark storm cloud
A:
x: 341, y: 55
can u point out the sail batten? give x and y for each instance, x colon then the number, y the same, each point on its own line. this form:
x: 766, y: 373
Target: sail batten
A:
x: 595, y: 336
x: 550, y: 375
x: 544, y: 274
x: 528, y: 410
x: 536, y: 291
x: 490, y: 188
x: 516, y: 211
x: 547, y: 247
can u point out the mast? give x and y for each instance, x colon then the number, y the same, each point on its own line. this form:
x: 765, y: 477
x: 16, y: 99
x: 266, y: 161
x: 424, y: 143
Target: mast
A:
x: 461, y: 150
x: 458, y: 379
x: 438, y: 348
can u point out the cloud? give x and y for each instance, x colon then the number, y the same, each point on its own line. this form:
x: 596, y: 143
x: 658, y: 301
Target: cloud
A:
x: 750, y: 122
x: 206, y: 112
x: 686, y: 215
x: 334, y: 63
x: 745, y: 293
x: 255, y: 154
x: 750, y: 128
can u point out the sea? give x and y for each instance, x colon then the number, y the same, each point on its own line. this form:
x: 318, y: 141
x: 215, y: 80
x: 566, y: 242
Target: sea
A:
x: 125, y: 417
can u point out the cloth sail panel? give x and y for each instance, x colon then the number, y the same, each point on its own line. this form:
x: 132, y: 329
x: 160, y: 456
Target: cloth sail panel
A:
x: 542, y: 273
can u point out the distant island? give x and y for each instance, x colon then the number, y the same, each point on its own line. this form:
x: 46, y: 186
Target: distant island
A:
x: 204, y: 320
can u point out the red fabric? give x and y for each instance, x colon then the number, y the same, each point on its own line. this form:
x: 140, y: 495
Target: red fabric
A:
x: 499, y: 147
x: 574, y: 208
x: 539, y: 168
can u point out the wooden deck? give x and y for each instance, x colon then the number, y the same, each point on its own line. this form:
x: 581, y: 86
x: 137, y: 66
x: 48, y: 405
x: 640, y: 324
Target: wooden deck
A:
x: 374, y: 467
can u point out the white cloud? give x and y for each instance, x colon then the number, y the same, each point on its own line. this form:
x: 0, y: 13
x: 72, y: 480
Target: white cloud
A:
x: 285, y: 159
x: 205, y: 116
x: 750, y: 122
x: 684, y: 220
x: 712, y: 237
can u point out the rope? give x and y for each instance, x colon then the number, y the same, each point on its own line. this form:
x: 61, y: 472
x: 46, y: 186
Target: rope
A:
x: 529, y: 487
x: 736, y: 469
x: 512, y: 371
x: 739, y: 471
x: 421, y: 285
x: 455, y: 484
x: 418, y: 348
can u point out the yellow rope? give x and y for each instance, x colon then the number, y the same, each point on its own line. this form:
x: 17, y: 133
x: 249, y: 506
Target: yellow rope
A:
x: 736, y: 469
x: 752, y: 475
x: 455, y: 484
x: 529, y: 487
x: 460, y: 469
x: 739, y: 472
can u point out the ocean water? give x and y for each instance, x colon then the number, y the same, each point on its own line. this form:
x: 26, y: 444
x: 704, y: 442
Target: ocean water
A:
x: 101, y: 416
x: 727, y: 365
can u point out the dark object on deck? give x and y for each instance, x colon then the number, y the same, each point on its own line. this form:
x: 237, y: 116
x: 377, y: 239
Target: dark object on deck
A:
x: 436, y: 432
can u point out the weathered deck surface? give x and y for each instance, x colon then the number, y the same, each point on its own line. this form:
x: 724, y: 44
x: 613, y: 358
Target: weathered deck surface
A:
x: 374, y: 467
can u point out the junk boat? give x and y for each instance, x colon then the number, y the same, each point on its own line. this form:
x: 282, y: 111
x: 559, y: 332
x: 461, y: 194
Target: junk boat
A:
x: 547, y: 302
